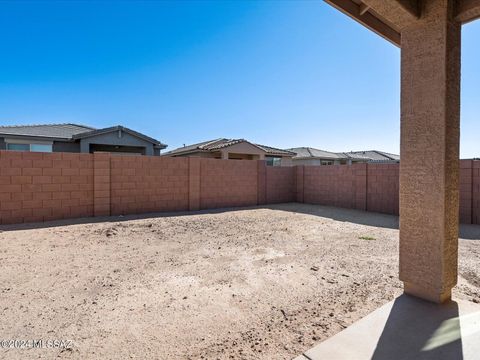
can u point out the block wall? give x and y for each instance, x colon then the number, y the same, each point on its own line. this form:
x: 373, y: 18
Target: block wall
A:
x: 375, y: 187
x: 332, y: 185
x: 49, y: 186
x: 141, y: 184
x: 300, y: 183
x: 476, y: 192
x: 45, y: 186
x: 261, y: 182
x: 227, y: 183
x: 383, y: 188
x: 466, y: 191
x: 280, y: 184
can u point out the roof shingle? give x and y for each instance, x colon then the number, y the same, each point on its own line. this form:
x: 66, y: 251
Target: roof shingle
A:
x: 374, y: 155
x: 221, y: 143
x: 367, y: 155
x: 312, y: 153
x: 58, y: 131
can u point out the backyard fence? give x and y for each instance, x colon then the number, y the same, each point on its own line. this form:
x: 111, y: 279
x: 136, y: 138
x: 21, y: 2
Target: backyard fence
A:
x: 50, y: 186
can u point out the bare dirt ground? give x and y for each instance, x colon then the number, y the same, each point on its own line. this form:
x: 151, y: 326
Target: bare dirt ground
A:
x: 262, y: 283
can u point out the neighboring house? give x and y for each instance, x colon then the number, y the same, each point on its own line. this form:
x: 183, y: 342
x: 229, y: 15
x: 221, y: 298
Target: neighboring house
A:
x: 236, y: 149
x: 77, y: 138
x: 372, y: 156
x: 312, y: 156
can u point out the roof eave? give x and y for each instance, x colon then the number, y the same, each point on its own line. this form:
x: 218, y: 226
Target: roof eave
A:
x: 17, y: 136
x: 186, y: 152
x: 367, y: 19
x: 279, y: 154
x: 117, y: 128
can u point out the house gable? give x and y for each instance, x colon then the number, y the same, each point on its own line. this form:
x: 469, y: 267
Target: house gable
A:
x: 244, y: 147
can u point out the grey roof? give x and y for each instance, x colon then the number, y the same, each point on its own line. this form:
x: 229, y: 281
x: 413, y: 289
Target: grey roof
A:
x: 312, y: 153
x: 216, y: 144
x: 272, y: 150
x: 69, y: 132
x: 95, y: 132
x: 374, y: 155
x: 367, y: 155
x: 56, y: 131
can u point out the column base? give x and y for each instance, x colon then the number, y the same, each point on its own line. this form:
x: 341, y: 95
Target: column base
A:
x: 429, y: 294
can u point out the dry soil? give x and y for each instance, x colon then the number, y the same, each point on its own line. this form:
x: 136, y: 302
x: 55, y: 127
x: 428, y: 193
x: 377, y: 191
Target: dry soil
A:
x: 258, y: 283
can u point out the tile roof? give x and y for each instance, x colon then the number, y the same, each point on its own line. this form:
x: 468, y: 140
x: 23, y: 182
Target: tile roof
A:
x: 68, y: 132
x: 367, y: 155
x: 219, y: 144
x: 216, y: 144
x: 275, y: 151
x: 59, y: 131
x: 312, y: 153
x: 95, y: 132
x: 374, y: 155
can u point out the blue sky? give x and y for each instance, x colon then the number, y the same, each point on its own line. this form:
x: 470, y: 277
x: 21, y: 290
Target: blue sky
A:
x: 280, y: 73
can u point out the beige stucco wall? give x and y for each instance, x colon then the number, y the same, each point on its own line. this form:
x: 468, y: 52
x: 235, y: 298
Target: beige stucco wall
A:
x: 244, y: 148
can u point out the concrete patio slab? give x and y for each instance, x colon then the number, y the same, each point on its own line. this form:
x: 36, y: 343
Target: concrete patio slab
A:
x: 408, y: 328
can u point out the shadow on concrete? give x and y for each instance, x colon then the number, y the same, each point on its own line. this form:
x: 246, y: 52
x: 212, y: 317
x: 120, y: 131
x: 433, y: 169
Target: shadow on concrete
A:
x: 407, y: 328
x: 416, y: 329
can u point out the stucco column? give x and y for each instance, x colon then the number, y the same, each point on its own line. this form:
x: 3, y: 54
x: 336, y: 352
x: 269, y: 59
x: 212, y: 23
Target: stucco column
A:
x: 225, y: 155
x: 430, y: 112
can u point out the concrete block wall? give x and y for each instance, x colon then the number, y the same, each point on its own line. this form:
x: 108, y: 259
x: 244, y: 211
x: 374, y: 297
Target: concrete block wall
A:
x: 475, y: 203
x: 334, y: 185
x: 383, y: 188
x: 261, y: 182
x: 280, y: 184
x: 48, y: 186
x: 466, y: 191
x: 194, y: 165
x: 227, y: 183
x: 300, y: 183
x: 361, y: 186
x: 45, y: 186
x: 101, y: 184
x: 141, y: 184
x: 318, y: 185
x: 375, y: 187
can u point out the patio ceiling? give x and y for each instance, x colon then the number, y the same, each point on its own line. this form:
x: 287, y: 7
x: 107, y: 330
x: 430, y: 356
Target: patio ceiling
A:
x: 388, y: 17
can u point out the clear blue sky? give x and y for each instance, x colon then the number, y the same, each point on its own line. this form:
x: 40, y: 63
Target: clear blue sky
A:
x: 285, y: 74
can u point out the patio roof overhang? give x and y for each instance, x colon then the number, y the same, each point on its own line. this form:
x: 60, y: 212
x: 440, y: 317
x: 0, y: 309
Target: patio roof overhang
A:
x: 429, y: 35
x: 388, y: 17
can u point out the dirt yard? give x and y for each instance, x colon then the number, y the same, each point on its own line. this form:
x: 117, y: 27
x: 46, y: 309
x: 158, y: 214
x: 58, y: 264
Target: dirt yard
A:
x: 262, y: 283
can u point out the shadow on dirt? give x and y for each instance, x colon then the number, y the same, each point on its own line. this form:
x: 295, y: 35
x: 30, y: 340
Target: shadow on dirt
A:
x: 470, y: 232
